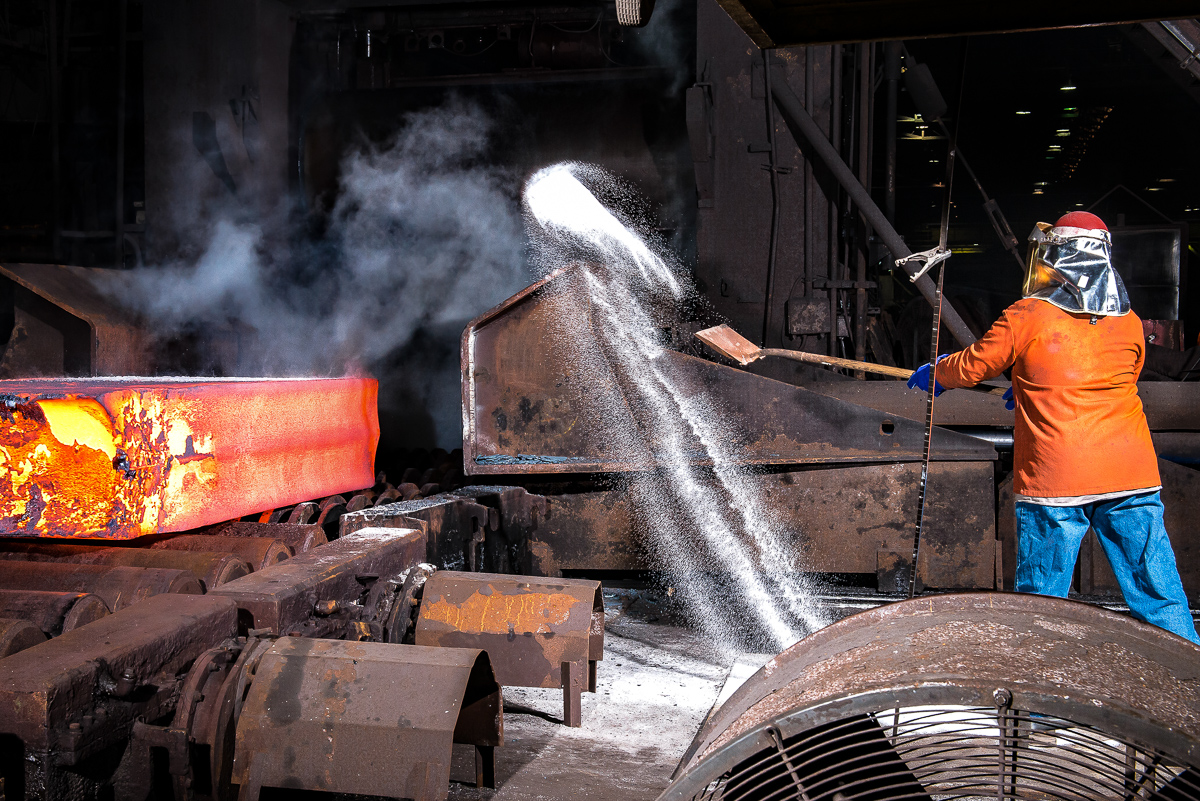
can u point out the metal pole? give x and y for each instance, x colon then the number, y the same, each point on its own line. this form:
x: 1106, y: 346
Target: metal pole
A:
x: 806, y: 274
x: 805, y: 130
x: 119, y: 202
x: 864, y: 177
x: 891, y: 59
x: 835, y: 206
x: 55, y: 158
x: 773, y: 245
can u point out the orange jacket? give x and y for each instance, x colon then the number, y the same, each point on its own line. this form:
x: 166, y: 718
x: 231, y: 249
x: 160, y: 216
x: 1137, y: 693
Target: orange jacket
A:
x: 1080, y: 428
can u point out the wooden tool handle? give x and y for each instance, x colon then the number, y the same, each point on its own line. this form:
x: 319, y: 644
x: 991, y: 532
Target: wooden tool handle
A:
x: 866, y: 367
x: 834, y: 361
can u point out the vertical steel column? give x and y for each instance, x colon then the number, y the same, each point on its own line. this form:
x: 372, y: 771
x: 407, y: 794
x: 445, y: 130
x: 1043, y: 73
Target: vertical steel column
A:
x: 773, y: 168
x: 55, y: 156
x: 119, y: 201
x: 811, y: 139
x: 806, y: 272
x: 891, y: 60
x: 835, y: 136
x: 865, y: 80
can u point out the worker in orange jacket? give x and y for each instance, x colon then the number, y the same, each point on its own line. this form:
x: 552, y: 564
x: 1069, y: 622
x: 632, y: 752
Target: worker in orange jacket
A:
x: 1082, y: 451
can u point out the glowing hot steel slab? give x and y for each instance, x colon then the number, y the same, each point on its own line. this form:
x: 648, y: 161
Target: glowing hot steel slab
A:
x: 122, y: 457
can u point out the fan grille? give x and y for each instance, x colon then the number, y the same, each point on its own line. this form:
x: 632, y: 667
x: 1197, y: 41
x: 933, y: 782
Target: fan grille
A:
x: 924, y: 753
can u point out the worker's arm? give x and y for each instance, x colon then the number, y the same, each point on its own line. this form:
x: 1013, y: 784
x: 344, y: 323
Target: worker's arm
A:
x: 994, y: 353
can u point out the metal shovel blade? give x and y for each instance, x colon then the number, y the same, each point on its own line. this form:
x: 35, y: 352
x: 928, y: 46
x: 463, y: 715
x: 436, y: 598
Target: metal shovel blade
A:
x: 730, y: 344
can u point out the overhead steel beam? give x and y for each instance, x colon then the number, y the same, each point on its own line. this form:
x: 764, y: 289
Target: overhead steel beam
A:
x: 784, y: 23
x: 806, y: 132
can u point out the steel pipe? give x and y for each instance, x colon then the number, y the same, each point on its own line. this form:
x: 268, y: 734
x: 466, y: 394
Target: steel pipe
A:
x: 118, y: 587
x: 212, y: 568
x: 805, y: 129
x: 54, y: 613
x: 17, y: 635
x: 258, y: 552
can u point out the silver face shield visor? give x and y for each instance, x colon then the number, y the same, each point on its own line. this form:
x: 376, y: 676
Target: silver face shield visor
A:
x: 1074, y: 271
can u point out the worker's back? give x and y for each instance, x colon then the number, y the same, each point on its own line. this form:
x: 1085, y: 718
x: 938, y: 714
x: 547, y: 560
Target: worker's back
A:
x: 1079, y: 428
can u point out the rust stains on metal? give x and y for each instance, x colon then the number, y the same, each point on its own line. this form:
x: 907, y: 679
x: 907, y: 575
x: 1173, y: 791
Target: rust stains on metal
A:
x: 493, y: 613
x: 526, y: 411
x: 366, y: 718
x: 122, y: 458
x: 530, y: 627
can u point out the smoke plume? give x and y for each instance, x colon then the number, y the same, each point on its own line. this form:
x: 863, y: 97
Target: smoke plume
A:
x: 422, y: 236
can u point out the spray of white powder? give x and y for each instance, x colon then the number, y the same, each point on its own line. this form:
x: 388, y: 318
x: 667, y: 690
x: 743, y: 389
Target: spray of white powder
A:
x: 708, y: 528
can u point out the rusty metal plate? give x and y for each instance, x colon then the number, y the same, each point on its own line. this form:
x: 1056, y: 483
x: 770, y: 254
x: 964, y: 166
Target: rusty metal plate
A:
x: 528, y: 626
x: 838, y: 519
x: 527, y: 409
x: 283, y: 596
x: 121, y: 458
x: 369, y: 718
x: 51, y: 696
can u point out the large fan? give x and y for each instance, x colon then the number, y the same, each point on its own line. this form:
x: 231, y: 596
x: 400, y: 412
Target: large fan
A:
x: 983, y: 695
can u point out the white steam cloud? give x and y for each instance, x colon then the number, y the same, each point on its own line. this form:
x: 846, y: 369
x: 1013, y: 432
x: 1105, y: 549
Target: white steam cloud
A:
x: 420, y: 237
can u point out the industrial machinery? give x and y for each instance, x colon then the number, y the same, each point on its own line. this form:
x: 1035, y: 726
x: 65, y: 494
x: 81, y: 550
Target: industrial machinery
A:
x: 156, y: 646
x: 978, y: 695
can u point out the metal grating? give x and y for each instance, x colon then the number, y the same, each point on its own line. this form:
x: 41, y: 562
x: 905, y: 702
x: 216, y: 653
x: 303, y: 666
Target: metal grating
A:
x: 923, y: 753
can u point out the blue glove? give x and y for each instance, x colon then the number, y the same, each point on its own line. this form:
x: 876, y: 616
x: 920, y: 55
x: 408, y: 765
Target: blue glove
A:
x: 920, y: 379
x: 1010, y: 402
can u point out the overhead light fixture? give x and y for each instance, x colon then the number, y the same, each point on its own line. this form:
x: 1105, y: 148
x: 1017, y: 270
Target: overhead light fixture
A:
x: 1038, y: 192
x: 1153, y: 188
x: 1023, y: 113
x: 1063, y: 132
x: 1055, y: 148
x: 1069, y: 87
x: 1166, y: 180
x: 1042, y: 183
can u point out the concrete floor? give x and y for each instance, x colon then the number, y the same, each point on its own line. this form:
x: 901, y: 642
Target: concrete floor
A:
x: 655, y: 686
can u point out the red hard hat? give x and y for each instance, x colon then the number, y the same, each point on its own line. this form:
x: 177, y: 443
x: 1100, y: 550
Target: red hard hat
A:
x: 1081, y: 219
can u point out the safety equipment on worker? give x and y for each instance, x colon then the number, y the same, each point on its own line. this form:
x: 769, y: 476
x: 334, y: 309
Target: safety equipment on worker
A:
x: 920, y: 379
x: 1010, y: 402
x: 1070, y: 266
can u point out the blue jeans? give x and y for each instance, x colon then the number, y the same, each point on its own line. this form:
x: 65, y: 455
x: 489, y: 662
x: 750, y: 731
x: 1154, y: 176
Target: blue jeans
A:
x: 1130, y: 530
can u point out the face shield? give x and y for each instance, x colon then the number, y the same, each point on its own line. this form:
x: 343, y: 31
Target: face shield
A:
x: 1071, y: 268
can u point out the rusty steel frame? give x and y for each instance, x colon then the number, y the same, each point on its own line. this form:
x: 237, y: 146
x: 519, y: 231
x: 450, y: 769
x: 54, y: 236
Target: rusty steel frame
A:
x: 64, y: 704
x: 1046, y: 655
x: 539, y: 633
x: 168, y: 455
x: 338, y: 589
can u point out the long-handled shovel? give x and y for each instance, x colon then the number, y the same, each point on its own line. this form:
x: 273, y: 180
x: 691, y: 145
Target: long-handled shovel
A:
x: 732, y: 345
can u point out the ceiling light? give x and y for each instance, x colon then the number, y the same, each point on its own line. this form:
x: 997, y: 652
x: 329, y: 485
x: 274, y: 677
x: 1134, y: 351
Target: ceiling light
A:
x: 1024, y: 112
x: 1153, y: 188
x: 1063, y: 132
x: 1038, y: 192
x: 1055, y: 148
x: 1042, y: 183
x: 1166, y: 180
x: 1068, y: 88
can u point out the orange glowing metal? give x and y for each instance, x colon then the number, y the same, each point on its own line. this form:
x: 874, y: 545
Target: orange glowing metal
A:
x: 119, y: 458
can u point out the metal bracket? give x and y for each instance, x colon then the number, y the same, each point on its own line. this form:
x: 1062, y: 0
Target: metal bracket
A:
x: 928, y: 258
